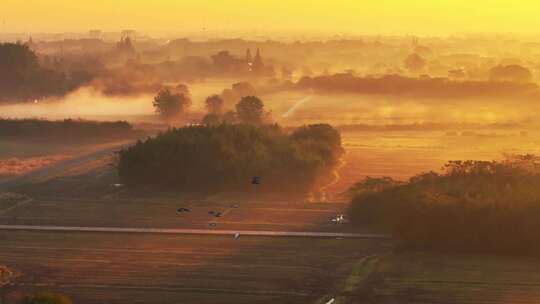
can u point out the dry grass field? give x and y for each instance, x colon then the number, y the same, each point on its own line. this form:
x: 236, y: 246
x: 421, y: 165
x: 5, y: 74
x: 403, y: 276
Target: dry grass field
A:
x: 148, y: 268
x: 403, y: 154
x: 20, y: 156
x: 430, y: 278
x: 156, y: 213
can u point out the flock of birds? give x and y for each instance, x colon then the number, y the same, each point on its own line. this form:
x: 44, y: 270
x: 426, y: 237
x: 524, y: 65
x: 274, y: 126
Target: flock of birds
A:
x: 211, y: 213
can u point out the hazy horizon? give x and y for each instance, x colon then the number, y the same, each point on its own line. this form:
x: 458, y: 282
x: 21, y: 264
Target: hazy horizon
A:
x: 388, y: 17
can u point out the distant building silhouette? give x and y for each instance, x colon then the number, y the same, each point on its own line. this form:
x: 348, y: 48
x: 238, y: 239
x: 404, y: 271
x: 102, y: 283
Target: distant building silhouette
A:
x: 131, y: 34
x: 30, y: 43
x: 125, y: 46
x: 258, y: 64
x: 249, y: 60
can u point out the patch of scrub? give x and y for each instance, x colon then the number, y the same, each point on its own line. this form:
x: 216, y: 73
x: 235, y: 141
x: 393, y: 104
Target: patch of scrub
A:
x: 7, y: 275
x: 357, y: 280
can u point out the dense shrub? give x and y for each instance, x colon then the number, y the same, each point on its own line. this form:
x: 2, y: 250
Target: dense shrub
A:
x: 475, y: 206
x: 226, y: 157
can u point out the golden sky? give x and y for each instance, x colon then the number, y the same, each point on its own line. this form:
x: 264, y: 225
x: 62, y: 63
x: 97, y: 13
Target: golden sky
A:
x: 329, y: 16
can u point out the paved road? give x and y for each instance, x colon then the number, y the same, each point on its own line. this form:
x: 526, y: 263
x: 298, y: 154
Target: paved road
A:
x: 197, y: 231
x: 59, y: 167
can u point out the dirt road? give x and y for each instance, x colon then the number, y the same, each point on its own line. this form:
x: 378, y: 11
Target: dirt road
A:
x: 59, y: 167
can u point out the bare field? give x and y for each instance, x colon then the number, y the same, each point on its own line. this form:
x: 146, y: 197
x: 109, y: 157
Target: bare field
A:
x: 286, y: 216
x: 148, y: 268
x: 430, y: 278
x: 403, y: 154
x: 124, y: 268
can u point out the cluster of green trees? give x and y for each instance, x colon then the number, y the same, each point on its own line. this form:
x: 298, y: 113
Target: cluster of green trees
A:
x: 67, y: 128
x: 171, y: 104
x: 249, y: 110
x: 474, y: 206
x: 22, y: 78
x: 225, y: 158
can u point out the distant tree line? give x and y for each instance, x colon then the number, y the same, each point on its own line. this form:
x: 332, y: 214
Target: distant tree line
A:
x: 475, y: 206
x: 249, y: 110
x: 427, y: 87
x: 22, y: 78
x: 225, y: 158
x: 67, y: 128
x: 172, y: 105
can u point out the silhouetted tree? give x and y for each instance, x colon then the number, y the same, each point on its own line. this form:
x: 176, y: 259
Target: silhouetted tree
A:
x: 169, y: 105
x: 250, y: 110
x: 243, y: 89
x: 514, y: 72
x: 414, y: 63
x: 372, y: 184
x: 214, y: 104
x: 17, y: 58
x: 229, y: 117
x: 184, y: 90
x: 67, y: 128
x: 22, y: 78
x: 424, y: 87
x: 212, y: 119
x: 224, y: 62
x: 225, y: 157
x: 474, y: 206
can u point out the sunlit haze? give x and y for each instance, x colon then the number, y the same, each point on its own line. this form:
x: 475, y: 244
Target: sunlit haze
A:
x: 269, y: 151
x: 422, y: 17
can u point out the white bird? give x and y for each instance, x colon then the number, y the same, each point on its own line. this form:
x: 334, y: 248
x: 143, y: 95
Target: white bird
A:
x: 339, y: 219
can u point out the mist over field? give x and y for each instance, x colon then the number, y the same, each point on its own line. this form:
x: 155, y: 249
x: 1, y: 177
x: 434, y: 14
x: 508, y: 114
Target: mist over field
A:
x: 295, y: 107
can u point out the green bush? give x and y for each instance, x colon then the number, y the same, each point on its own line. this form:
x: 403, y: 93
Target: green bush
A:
x: 226, y: 157
x: 475, y: 206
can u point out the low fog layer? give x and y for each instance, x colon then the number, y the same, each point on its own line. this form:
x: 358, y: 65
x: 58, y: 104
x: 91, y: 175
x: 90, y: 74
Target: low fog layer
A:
x: 83, y: 103
x: 292, y: 108
x: 89, y: 103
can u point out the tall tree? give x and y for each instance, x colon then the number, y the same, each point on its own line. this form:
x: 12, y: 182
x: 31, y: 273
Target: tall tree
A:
x: 170, y: 106
x: 250, y: 110
x: 214, y: 105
